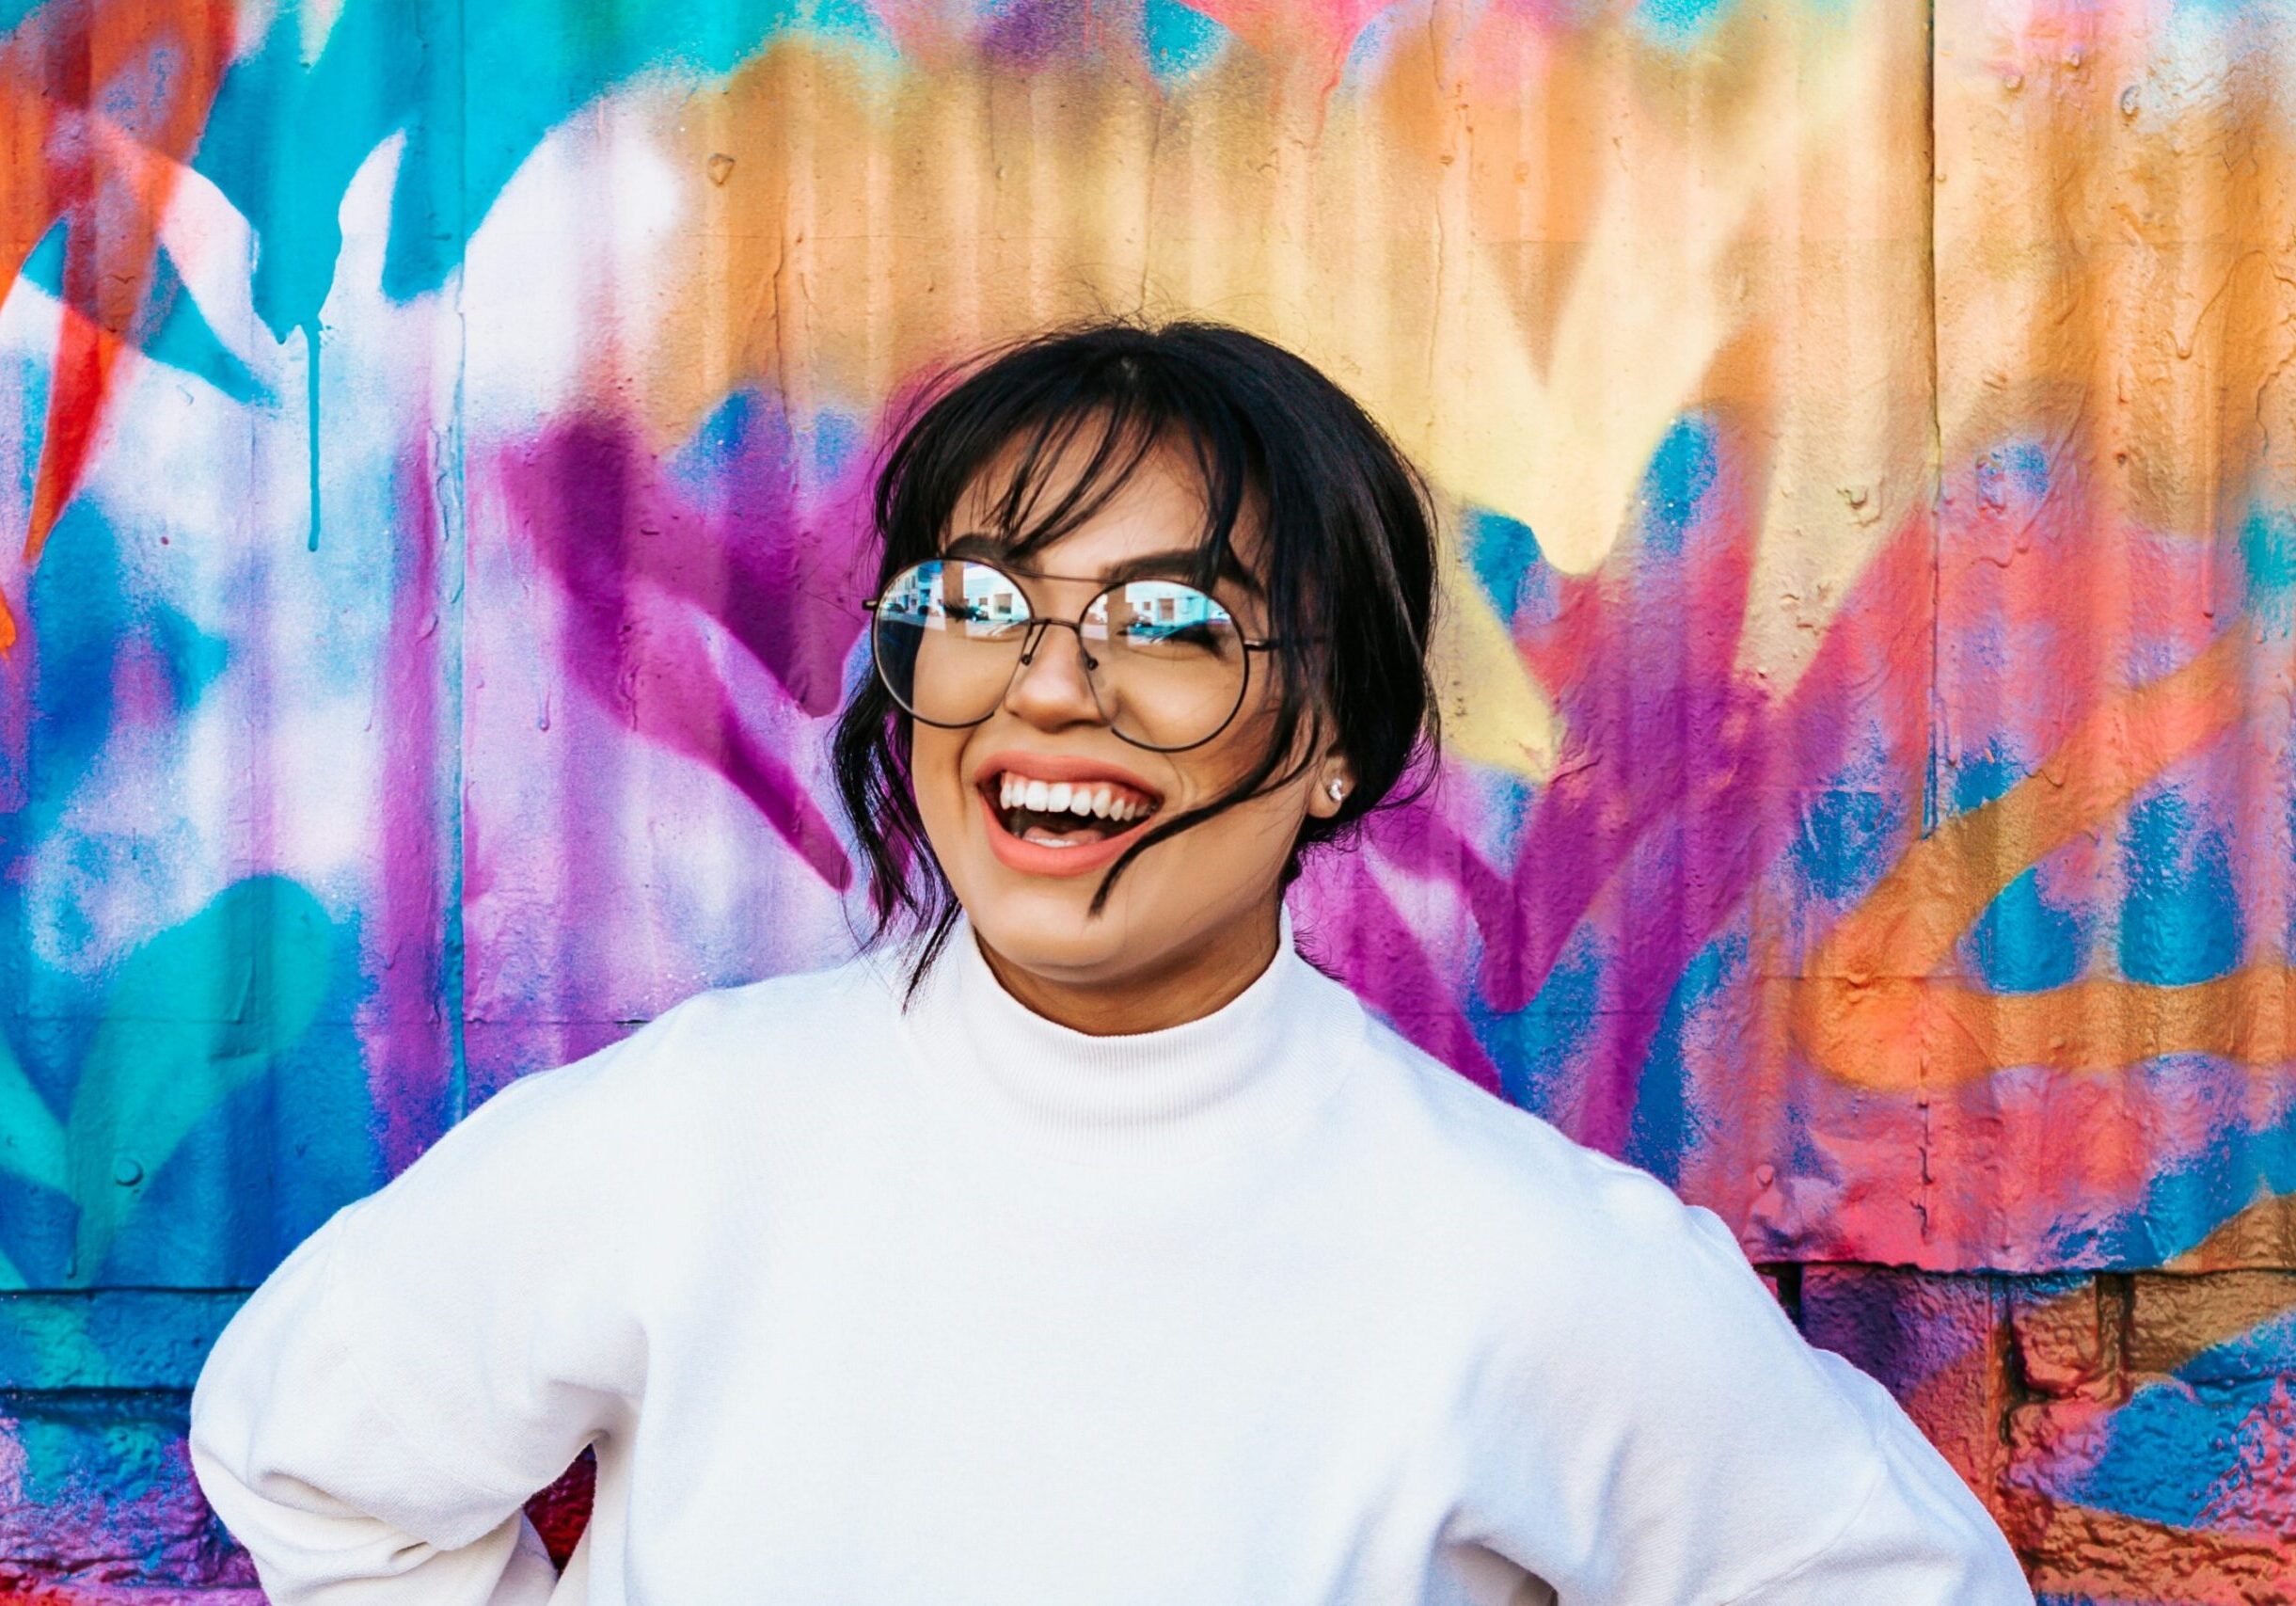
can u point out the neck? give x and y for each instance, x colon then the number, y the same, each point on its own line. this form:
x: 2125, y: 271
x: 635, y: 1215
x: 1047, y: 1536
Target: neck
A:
x: 1233, y: 1074
x: 1184, y: 985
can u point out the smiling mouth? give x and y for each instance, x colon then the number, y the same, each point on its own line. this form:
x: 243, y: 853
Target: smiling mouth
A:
x: 1064, y: 814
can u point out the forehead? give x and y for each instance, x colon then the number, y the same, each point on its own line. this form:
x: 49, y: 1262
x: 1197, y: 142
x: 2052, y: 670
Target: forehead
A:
x: 1160, y: 505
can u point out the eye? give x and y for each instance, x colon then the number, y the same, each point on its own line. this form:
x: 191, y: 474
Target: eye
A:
x: 1190, y: 635
x: 1164, y: 613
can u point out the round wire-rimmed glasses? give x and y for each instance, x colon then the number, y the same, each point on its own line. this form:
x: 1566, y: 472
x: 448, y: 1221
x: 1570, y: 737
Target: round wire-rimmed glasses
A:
x: 1168, y: 665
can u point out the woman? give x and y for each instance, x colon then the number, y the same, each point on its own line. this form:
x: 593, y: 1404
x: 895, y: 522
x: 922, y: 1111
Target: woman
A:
x: 1094, y: 1247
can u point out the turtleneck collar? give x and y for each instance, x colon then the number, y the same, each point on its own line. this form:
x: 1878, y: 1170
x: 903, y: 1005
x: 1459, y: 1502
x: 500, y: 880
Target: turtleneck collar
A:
x: 1247, y: 1069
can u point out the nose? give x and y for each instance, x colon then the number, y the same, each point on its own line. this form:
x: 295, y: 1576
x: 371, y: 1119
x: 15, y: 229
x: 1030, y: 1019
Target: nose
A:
x: 1050, y: 686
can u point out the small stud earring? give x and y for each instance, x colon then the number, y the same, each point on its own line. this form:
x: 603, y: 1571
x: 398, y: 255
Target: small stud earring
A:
x: 1336, y: 788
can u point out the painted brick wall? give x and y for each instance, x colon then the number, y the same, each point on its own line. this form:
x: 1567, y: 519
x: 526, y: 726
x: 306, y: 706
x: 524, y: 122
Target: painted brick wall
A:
x: 2131, y: 1433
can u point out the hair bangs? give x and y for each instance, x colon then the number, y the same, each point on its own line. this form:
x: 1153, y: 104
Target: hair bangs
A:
x: 1014, y: 450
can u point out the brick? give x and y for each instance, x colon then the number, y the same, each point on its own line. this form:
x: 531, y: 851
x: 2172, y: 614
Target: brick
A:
x: 97, y: 1489
x: 560, y: 1512
x: 2066, y: 1333
x: 2180, y: 1483
x: 2171, y: 1319
x: 116, y: 1339
x: 2052, y: 1442
x: 2077, y: 1556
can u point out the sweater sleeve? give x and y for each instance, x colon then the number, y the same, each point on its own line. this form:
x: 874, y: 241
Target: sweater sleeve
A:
x: 1653, y: 1432
x: 371, y: 1421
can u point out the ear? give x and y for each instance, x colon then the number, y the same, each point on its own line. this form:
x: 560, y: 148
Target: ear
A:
x: 1334, y: 775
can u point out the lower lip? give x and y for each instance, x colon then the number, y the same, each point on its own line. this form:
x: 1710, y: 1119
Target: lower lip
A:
x: 1036, y: 859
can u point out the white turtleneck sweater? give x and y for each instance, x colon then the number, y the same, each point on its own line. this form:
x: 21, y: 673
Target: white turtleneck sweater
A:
x: 958, y: 1307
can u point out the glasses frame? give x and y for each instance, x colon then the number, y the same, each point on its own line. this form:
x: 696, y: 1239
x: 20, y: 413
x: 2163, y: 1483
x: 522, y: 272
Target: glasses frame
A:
x: 1032, y: 638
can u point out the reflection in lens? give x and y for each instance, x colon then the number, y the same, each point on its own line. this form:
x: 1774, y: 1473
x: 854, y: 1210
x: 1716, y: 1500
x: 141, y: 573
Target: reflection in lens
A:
x: 947, y: 637
x: 1165, y: 661
x: 1173, y: 666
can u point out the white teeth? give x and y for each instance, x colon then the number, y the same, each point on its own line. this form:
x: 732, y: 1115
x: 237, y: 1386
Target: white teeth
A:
x: 1065, y: 797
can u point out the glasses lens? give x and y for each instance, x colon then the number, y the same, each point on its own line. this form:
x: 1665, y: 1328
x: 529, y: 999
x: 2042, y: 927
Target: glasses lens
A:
x: 1170, y: 662
x: 1167, y: 662
x: 948, y: 636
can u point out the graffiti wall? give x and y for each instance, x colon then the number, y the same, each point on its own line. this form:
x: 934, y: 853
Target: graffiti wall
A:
x: 431, y: 445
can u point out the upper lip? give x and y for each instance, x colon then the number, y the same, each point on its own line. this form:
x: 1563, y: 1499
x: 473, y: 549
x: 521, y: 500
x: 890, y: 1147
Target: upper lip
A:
x: 1060, y: 767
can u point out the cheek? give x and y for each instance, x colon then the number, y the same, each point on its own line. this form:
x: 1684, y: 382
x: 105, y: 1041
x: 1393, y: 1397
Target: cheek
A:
x: 1224, y: 762
x: 936, y: 770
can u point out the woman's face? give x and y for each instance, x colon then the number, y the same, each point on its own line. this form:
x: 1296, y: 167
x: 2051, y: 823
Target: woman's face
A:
x: 1026, y: 878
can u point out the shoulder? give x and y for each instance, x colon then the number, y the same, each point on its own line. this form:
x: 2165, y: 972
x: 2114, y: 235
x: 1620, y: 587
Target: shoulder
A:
x: 772, y: 1018
x: 1561, y: 1256
x: 704, y: 1059
x: 1519, y: 1176
x: 1592, y: 1279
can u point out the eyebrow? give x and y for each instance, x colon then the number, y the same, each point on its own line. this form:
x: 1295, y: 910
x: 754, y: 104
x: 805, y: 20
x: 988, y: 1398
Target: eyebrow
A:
x: 1179, y: 563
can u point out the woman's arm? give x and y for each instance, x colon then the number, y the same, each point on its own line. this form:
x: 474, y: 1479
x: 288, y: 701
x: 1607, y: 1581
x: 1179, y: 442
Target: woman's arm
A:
x: 337, y: 1500
x: 1653, y: 1432
x: 371, y: 1421
x: 1917, y: 1535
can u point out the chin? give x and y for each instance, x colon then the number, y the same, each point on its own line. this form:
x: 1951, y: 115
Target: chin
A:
x: 1046, y: 927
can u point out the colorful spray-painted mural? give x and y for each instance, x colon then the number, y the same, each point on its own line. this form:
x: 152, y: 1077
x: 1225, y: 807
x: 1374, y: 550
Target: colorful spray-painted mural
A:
x: 434, y: 436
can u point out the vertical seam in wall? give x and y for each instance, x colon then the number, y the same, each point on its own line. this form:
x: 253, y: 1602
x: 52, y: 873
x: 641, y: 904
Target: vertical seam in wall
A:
x: 1936, y: 464
x: 453, y: 505
x: 1931, y: 714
